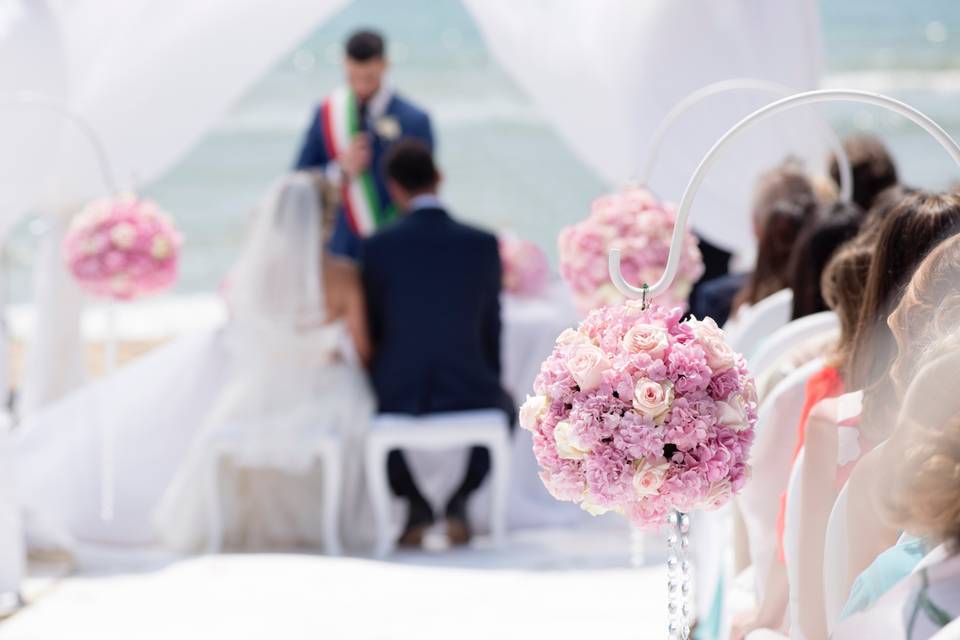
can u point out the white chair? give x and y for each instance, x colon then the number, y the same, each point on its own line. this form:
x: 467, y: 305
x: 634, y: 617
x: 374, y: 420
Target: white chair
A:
x: 771, y: 459
x: 792, y: 335
x: 759, y: 321
x: 836, y: 566
x: 791, y: 541
x: 326, y: 450
x: 12, y: 551
x: 487, y: 428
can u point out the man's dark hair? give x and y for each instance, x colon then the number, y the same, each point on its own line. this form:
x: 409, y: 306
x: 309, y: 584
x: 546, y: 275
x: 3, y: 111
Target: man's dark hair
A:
x: 871, y: 165
x: 365, y: 45
x: 410, y: 164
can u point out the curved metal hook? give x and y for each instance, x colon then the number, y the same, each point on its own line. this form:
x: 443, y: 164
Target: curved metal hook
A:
x: 741, y: 84
x: 30, y: 99
x: 785, y: 104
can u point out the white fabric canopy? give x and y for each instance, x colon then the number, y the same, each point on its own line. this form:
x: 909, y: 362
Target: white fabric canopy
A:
x: 149, y: 77
x: 605, y: 74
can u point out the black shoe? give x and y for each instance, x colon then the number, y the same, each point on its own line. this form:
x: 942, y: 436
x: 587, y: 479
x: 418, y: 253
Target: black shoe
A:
x: 458, y: 527
x: 419, y: 518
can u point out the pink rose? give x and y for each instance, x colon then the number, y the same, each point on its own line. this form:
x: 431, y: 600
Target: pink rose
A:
x: 732, y: 413
x: 712, y: 340
x: 646, y: 338
x: 647, y: 478
x: 532, y: 410
x: 652, y: 399
x: 569, y: 336
x: 587, y: 364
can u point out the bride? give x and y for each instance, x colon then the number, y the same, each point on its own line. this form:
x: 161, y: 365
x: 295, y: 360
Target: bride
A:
x: 284, y: 368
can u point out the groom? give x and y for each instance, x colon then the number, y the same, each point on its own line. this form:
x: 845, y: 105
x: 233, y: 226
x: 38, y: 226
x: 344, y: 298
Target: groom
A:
x: 433, y: 297
x: 351, y: 131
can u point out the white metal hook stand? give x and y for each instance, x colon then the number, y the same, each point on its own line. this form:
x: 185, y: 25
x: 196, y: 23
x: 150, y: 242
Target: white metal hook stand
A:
x: 741, y: 84
x: 779, y: 106
x: 40, y: 101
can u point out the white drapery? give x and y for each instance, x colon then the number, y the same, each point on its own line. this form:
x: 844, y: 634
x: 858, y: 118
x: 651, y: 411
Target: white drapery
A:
x: 150, y: 77
x: 605, y: 73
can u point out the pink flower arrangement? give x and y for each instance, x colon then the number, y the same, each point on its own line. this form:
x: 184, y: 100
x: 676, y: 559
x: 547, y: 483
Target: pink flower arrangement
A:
x: 641, y: 227
x: 525, y: 268
x: 123, y: 248
x: 641, y: 414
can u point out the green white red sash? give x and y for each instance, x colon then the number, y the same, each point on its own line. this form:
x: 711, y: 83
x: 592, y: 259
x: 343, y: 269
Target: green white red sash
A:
x: 341, y: 123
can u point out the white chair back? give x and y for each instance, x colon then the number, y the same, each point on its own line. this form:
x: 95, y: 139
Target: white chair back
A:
x: 771, y: 459
x: 791, y: 542
x: 759, y: 321
x: 12, y: 551
x: 836, y: 566
x: 792, y: 335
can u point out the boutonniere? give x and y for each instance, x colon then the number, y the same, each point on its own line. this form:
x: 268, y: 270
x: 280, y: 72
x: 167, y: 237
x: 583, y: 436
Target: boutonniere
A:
x: 387, y: 127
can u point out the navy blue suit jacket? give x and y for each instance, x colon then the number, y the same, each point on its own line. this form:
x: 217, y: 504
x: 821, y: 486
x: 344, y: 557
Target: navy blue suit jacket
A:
x: 433, y: 299
x: 414, y: 123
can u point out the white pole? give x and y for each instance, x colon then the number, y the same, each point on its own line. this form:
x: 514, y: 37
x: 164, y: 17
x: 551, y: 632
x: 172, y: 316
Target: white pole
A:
x: 108, y: 437
x: 785, y: 104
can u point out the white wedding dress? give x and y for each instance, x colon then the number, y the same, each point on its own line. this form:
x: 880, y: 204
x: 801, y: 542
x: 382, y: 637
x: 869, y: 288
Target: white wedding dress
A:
x: 269, y: 382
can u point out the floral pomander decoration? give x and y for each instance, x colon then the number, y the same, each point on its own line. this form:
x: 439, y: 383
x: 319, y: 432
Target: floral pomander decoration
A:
x: 639, y: 413
x: 633, y: 221
x: 526, y: 271
x: 123, y: 248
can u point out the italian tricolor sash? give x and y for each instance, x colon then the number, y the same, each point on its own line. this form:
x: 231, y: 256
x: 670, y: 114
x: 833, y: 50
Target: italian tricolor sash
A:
x: 340, y: 116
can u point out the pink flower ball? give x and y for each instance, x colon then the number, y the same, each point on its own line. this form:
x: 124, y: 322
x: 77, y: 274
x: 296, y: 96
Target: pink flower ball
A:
x: 526, y: 271
x: 123, y: 248
x: 641, y: 414
x: 641, y: 227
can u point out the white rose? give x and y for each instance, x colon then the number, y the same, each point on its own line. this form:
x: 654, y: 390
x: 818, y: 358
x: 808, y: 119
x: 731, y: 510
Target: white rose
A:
x: 646, y: 338
x: 719, y: 494
x: 732, y: 413
x: 123, y: 235
x: 161, y: 248
x: 532, y: 410
x: 597, y: 510
x: 570, y: 336
x: 647, y: 478
x: 712, y: 340
x: 568, y: 446
x: 652, y: 399
x: 587, y: 364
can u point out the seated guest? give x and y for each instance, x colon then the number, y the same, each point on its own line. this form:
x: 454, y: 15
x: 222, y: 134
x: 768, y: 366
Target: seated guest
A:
x: 836, y: 224
x: 432, y: 287
x: 872, y: 167
x: 926, y: 324
x: 921, y: 495
x: 907, y: 234
x: 783, y: 203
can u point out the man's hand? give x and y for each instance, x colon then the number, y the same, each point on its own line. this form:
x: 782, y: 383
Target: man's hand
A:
x: 356, y: 158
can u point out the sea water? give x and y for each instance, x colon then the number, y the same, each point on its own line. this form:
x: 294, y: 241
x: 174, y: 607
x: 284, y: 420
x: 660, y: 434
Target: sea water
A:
x: 504, y: 166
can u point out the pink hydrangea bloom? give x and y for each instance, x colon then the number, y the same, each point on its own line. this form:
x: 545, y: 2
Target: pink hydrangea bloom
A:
x: 123, y: 248
x: 613, y: 453
x: 526, y: 271
x: 641, y: 227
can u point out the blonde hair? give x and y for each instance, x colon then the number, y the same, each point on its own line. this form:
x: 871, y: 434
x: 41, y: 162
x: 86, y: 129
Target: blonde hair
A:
x: 923, y: 492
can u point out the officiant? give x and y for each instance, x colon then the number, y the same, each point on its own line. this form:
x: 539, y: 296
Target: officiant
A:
x: 351, y: 131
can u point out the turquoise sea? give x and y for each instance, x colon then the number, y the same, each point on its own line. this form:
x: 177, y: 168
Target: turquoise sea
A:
x: 504, y: 166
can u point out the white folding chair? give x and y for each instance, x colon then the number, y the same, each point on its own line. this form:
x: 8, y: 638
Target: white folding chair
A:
x: 325, y: 448
x: 791, y: 540
x: 12, y: 551
x: 791, y: 335
x: 761, y: 320
x: 487, y: 428
x: 771, y: 459
x: 836, y: 565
